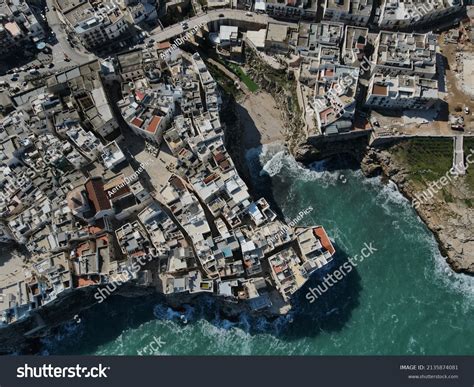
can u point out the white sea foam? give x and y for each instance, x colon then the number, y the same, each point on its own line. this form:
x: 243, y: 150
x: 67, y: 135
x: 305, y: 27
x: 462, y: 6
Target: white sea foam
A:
x: 442, y: 274
x: 271, y: 160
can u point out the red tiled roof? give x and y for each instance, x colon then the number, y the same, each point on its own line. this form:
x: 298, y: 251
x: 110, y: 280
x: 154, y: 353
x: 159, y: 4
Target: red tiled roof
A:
x: 154, y: 124
x: 95, y: 229
x: 210, y: 178
x: 96, y: 194
x: 82, y: 248
x: 164, y: 45
x: 137, y: 122
x: 224, y: 165
x: 219, y: 156
x: 82, y: 282
x: 380, y: 90
x: 117, y: 189
x: 329, y: 72
x: 323, y: 237
x: 140, y: 95
x: 326, y: 113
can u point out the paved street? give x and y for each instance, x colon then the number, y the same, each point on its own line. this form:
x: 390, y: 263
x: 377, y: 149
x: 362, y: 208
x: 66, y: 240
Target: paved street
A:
x: 235, y: 14
x: 62, y: 46
x: 458, y: 156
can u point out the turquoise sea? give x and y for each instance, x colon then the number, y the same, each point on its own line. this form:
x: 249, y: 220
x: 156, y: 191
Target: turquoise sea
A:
x: 403, y: 299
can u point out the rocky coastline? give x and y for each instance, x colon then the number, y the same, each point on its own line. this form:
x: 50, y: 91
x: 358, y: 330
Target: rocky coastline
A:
x: 451, y: 223
x: 24, y: 337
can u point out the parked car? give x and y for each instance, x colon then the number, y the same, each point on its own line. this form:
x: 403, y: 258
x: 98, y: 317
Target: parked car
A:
x: 467, y: 110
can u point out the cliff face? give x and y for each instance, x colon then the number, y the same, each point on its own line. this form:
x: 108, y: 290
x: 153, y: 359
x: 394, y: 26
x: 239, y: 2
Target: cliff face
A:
x: 23, y: 336
x: 279, y: 84
x: 452, y: 223
x: 323, y: 147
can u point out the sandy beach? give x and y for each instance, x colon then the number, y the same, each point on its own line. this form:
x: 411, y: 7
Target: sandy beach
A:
x: 261, y: 120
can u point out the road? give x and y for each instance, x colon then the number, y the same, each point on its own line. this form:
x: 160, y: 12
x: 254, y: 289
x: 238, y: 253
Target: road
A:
x: 62, y: 46
x: 59, y: 48
x: 235, y: 14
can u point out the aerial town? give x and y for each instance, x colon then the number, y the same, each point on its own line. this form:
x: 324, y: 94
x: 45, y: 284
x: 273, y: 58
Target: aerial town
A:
x: 115, y: 157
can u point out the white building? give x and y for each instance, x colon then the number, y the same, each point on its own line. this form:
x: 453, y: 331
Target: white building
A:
x: 405, y: 53
x: 411, y: 13
x: 96, y: 25
x: 402, y: 92
x: 291, y: 9
x: 355, y: 12
x: 112, y: 155
x: 148, y: 113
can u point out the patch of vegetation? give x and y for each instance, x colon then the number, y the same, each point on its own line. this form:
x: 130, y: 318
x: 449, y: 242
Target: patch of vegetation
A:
x: 429, y: 159
x: 426, y: 159
x: 237, y: 70
x: 280, y: 80
x: 223, y: 81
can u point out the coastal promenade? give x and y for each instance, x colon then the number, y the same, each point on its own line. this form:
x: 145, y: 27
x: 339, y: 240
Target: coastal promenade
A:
x: 458, y: 155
